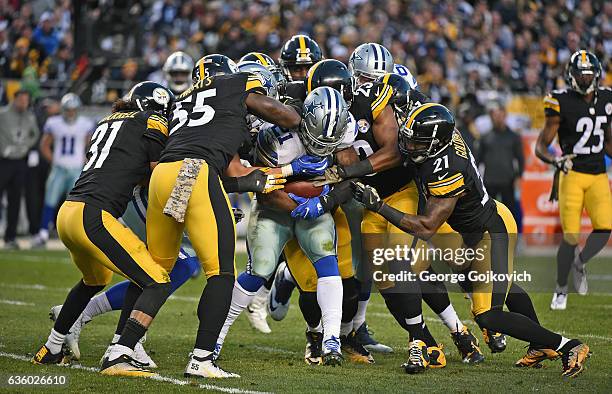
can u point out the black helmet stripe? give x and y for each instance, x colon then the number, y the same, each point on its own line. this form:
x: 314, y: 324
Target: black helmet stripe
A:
x: 375, y: 51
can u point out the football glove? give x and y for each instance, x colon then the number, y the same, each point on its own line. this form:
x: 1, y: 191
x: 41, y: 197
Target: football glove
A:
x: 260, y: 181
x: 238, y: 215
x: 306, y: 165
x: 308, y: 208
x: 367, y: 195
x: 331, y: 176
x: 564, y: 163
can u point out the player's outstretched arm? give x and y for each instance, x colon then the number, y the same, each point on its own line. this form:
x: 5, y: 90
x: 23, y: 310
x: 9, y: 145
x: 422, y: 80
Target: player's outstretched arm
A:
x: 272, y: 111
x: 424, y: 226
x: 239, y: 178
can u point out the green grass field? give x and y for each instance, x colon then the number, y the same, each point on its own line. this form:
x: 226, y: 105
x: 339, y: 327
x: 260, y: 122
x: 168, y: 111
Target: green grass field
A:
x: 32, y: 282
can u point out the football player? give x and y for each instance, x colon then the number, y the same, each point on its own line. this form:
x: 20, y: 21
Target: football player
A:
x: 268, y: 63
x: 271, y: 225
x: 208, y: 126
x: 177, y: 72
x: 405, y: 73
x: 123, y: 147
x: 580, y: 118
x: 447, y: 174
x: 68, y: 134
x: 297, y: 55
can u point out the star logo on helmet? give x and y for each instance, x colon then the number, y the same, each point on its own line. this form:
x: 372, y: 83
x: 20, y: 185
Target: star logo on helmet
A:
x: 311, y: 108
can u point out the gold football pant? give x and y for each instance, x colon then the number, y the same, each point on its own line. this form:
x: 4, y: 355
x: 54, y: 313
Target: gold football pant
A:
x: 578, y: 190
x: 209, y: 221
x: 497, y: 249
x: 100, y: 245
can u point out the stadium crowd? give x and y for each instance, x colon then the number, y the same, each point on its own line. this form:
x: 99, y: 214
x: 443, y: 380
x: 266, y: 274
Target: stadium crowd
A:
x: 467, y: 55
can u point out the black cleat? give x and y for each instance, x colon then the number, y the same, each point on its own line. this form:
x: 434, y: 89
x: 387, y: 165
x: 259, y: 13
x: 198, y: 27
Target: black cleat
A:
x: 418, y: 358
x: 467, y: 344
x: 364, y: 337
x: 496, y: 341
x: 573, y: 357
x: 355, y: 351
x: 314, y: 345
x: 333, y: 358
x: 44, y: 357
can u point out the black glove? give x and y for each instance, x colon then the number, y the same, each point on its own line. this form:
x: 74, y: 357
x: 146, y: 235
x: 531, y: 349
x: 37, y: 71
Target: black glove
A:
x: 367, y: 195
x: 258, y: 181
x: 238, y: 215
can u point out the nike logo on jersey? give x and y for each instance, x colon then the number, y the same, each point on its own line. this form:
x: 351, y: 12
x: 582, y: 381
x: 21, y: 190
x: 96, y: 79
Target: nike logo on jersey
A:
x: 440, y: 177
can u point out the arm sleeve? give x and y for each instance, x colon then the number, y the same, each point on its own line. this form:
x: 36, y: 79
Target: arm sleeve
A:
x: 450, y: 186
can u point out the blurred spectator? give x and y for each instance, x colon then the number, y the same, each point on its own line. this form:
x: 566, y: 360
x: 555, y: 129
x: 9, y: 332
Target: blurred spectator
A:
x: 501, y: 154
x: 45, y: 34
x: 18, y: 133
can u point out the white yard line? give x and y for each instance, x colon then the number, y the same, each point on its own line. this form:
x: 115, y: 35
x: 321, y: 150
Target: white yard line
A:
x: 14, y: 302
x: 158, y: 378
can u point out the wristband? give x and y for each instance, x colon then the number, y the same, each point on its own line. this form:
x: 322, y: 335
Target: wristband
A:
x: 391, y: 214
x: 357, y: 170
x: 287, y: 170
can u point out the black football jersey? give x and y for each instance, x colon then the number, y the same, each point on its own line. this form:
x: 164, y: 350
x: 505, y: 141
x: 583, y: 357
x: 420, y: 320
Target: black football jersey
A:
x: 582, y: 126
x: 295, y: 90
x: 209, y: 122
x: 120, y: 152
x: 451, y: 173
x: 368, y: 103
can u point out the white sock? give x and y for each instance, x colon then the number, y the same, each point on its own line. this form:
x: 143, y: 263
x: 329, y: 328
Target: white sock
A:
x: 318, y: 328
x: 261, y: 297
x: 240, y: 299
x: 55, y: 341
x: 287, y: 275
x: 329, y: 297
x: 43, y: 234
x: 201, y: 353
x: 346, y: 328
x: 98, y: 305
x: 450, y: 319
x: 360, y: 316
x: 564, y: 340
x: 118, y: 350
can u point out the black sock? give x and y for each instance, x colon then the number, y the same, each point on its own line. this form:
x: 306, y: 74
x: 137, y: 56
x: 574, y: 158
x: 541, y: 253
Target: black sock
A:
x: 519, y: 301
x: 131, y: 295
x: 428, y: 337
x: 565, y: 257
x: 350, y: 299
x: 310, y: 308
x: 212, y: 310
x: 596, y: 241
x: 518, y: 326
x: 405, y: 306
x: 74, y: 305
x: 132, y: 332
x: 435, y: 294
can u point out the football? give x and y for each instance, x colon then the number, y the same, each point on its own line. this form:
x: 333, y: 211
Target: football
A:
x: 303, y: 189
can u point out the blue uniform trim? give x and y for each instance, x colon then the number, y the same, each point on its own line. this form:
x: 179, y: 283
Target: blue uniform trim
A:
x: 327, y: 266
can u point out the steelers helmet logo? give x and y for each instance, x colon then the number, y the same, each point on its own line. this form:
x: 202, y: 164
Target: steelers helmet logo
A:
x: 363, y: 126
x: 161, y: 96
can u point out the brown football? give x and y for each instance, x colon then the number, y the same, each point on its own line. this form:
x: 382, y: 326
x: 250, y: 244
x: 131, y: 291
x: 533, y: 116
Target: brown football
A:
x: 303, y: 189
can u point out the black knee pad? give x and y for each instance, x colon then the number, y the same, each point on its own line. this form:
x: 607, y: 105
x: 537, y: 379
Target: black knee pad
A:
x: 152, y: 298
x: 349, y: 299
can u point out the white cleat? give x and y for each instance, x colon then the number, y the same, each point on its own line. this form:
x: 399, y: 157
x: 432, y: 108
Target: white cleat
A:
x: 140, y: 354
x: 257, y: 312
x: 559, y: 302
x: 72, y: 338
x: 278, y: 310
x: 580, y: 275
x: 205, y: 368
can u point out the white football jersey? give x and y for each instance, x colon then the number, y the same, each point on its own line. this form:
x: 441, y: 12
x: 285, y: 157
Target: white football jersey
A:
x: 69, y: 139
x: 277, y: 146
x: 403, y: 71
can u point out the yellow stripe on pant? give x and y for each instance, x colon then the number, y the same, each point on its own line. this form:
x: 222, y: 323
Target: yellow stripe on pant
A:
x: 209, y: 221
x: 100, y: 245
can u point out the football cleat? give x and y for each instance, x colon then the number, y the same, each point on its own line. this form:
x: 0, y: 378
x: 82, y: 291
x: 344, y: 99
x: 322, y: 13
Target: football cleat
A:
x: 124, y: 365
x: 205, y: 367
x: 573, y: 359
x: 534, y: 357
x: 44, y: 356
x: 559, y: 301
x: 437, y: 359
x: 579, y: 275
x: 257, y: 313
x: 418, y: 359
x: 331, y: 352
x: 364, y: 337
x: 467, y: 344
x: 496, y: 341
x: 355, y: 351
x: 72, y: 338
x: 279, y: 307
x: 314, y: 347
x: 140, y: 354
